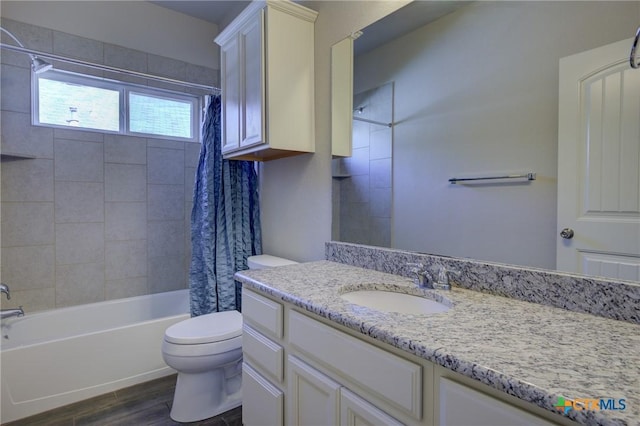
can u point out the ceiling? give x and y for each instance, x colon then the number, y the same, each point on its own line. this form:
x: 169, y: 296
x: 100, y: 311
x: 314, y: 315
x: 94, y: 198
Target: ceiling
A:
x: 406, y: 19
x: 219, y: 12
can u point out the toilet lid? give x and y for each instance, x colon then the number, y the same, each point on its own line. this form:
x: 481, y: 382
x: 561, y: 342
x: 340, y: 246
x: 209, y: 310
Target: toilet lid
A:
x: 208, y: 328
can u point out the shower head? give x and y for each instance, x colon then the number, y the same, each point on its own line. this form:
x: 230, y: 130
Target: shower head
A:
x: 37, y: 65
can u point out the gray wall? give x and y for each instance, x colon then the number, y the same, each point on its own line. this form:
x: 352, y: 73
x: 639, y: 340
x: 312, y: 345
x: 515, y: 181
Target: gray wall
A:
x: 93, y: 216
x: 476, y: 93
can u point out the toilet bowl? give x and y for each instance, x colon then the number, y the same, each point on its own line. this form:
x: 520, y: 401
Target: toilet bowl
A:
x: 206, y: 351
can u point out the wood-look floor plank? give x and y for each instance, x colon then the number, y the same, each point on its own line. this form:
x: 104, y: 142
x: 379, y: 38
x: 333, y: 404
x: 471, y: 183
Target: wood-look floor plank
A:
x: 146, y: 404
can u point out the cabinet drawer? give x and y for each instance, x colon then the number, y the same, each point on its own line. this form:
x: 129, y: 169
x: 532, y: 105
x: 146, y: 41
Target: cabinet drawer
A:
x: 262, y: 403
x: 381, y: 373
x: 262, y: 352
x: 262, y: 313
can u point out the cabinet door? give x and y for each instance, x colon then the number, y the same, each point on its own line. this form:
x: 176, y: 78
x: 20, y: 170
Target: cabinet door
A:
x: 262, y: 403
x: 230, y: 61
x: 463, y: 406
x: 355, y: 411
x: 313, y: 397
x: 252, y: 82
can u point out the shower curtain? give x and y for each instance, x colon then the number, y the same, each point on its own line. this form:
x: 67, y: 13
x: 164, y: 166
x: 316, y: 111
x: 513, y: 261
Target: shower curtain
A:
x: 225, y: 221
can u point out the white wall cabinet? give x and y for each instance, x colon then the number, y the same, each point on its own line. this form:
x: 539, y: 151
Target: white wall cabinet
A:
x: 319, y: 374
x: 267, y: 73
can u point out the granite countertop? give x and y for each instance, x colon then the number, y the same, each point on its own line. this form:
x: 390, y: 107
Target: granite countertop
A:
x: 534, y: 352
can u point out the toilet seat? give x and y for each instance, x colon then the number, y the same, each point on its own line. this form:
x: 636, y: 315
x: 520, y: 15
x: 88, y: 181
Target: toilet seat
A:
x: 209, y: 328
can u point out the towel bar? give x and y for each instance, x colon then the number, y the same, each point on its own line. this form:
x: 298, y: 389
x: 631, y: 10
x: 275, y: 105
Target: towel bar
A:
x: 528, y: 176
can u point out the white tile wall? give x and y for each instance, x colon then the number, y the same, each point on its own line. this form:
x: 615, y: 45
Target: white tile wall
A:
x: 125, y: 149
x: 125, y: 221
x: 79, y: 202
x: 94, y: 216
x: 27, y: 180
x: 27, y: 224
x: 41, y: 270
x: 125, y: 182
x: 78, y: 161
x: 365, y: 198
x: 126, y: 259
x: 79, y: 243
x: 17, y: 135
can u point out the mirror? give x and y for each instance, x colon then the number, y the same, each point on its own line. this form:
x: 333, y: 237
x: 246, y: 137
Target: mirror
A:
x: 472, y: 90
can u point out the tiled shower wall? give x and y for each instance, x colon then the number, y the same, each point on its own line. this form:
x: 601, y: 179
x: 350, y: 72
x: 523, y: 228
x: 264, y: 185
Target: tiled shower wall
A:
x: 362, y: 184
x: 91, y: 216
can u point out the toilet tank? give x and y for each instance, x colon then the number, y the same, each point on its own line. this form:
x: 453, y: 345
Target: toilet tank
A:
x: 263, y: 261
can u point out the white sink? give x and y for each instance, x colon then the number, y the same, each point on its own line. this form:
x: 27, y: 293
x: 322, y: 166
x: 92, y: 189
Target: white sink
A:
x: 389, y: 301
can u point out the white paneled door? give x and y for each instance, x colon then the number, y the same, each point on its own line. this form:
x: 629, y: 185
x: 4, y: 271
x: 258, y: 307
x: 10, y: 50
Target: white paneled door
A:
x: 599, y: 164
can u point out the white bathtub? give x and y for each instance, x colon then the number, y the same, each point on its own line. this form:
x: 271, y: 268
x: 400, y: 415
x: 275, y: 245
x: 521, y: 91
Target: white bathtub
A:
x: 53, y: 358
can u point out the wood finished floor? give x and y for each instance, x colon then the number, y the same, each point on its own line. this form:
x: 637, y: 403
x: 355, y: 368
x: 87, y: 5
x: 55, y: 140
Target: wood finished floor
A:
x: 145, y: 404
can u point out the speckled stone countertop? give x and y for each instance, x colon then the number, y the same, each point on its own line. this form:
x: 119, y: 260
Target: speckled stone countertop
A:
x: 534, y: 352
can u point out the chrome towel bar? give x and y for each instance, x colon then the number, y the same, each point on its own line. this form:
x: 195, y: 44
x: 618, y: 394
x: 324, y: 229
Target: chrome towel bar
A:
x: 528, y: 176
x: 366, y: 120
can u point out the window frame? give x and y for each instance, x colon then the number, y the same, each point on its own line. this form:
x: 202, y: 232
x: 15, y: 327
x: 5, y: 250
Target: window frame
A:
x: 124, y: 89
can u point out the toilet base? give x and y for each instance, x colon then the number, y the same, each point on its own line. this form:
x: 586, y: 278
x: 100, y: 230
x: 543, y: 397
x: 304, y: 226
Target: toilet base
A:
x: 203, y: 395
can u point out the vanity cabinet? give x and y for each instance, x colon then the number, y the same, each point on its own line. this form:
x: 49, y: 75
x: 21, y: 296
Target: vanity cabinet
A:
x: 303, y: 370
x: 461, y: 405
x: 314, y: 398
x: 267, y: 82
x: 263, y: 361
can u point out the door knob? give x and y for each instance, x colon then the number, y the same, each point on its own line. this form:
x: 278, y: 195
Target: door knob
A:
x: 567, y: 233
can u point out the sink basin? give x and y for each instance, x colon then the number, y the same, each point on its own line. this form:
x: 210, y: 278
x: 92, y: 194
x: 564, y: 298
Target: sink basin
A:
x: 389, y: 301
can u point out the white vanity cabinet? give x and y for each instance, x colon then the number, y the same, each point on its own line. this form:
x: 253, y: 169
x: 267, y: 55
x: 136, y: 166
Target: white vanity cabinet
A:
x: 267, y: 73
x: 460, y: 405
x: 263, y: 361
x: 301, y: 370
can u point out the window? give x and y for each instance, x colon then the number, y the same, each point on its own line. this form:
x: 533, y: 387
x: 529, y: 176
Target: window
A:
x: 63, y: 99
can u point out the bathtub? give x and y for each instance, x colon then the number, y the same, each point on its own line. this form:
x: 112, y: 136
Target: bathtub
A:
x: 52, y: 358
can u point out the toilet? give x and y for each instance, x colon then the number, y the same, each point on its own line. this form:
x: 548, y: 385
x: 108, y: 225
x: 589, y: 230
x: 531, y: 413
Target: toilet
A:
x: 206, y: 351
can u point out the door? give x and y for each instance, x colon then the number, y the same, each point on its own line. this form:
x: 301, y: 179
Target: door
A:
x: 230, y: 65
x: 252, y: 82
x: 599, y: 163
x: 355, y: 411
x: 313, y: 397
x: 262, y: 403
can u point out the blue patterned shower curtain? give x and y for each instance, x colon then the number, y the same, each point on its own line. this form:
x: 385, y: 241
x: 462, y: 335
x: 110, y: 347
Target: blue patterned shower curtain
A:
x: 225, y: 221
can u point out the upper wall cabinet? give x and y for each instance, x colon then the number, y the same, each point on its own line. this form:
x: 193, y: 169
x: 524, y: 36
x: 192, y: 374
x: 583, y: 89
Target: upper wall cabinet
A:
x: 267, y: 70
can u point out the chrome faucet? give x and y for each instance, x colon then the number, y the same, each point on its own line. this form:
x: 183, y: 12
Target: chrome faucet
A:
x: 426, y: 278
x: 5, y: 289
x: 8, y: 313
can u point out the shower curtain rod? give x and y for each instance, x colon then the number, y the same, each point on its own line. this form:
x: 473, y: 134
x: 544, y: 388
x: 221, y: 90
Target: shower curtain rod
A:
x: 54, y: 57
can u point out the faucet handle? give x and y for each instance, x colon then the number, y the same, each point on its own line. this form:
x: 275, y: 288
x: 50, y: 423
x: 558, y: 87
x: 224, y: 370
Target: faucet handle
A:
x: 422, y: 275
x: 443, y: 276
